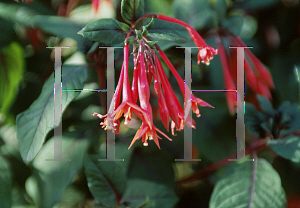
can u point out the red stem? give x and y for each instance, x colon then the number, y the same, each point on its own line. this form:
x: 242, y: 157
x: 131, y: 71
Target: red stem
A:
x: 141, y: 18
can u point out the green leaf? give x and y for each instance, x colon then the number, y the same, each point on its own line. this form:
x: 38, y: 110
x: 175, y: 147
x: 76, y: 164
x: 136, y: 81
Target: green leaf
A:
x: 249, y: 184
x: 196, y: 13
x: 150, y: 178
x: 253, y: 120
x: 139, y: 35
x: 61, y: 27
x: 149, y: 23
x: 257, y: 4
x: 106, y: 180
x: 5, y: 184
x: 130, y: 39
x: 34, y: 123
x: 221, y: 8
x: 18, y: 14
x: 131, y: 10
x: 106, y: 30
x: 8, y: 33
x: 58, y: 26
x: 297, y: 73
x: 151, y: 42
x: 287, y: 147
x: 234, y: 24
x: 53, y: 177
x: 145, y: 31
x: 11, y: 70
x: 266, y: 105
x: 289, y: 117
x: 168, y: 31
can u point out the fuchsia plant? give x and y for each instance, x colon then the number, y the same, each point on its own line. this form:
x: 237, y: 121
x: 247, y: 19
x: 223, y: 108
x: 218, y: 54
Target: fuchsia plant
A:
x: 147, y: 66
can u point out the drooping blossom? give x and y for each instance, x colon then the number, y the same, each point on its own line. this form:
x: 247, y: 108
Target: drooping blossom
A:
x: 257, y: 76
x: 206, y: 52
x: 136, y: 98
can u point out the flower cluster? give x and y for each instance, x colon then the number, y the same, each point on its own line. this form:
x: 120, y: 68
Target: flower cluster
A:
x: 135, y: 97
x: 257, y: 76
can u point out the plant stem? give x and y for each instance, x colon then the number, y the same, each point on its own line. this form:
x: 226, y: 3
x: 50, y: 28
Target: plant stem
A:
x: 256, y: 145
x: 141, y: 18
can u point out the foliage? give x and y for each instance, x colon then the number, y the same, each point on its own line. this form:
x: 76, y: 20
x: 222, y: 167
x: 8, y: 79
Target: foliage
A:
x: 143, y: 177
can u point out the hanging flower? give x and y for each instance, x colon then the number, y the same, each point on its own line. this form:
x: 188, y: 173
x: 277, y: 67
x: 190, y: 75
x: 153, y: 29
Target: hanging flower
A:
x: 147, y: 67
x: 206, y: 52
x: 257, y: 76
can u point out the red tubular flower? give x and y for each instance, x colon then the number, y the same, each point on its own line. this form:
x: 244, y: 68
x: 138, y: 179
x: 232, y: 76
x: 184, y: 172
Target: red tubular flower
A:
x: 195, y: 101
x: 228, y: 81
x: 147, y: 129
x: 257, y: 76
x: 127, y: 105
x: 173, y: 105
x: 134, y: 87
x: 147, y: 66
x: 147, y: 134
x: 206, y: 52
x: 262, y: 70
x: 109, y: 122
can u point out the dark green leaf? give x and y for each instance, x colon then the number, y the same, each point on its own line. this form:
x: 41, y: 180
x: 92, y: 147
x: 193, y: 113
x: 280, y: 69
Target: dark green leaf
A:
x: 196, y: 13
x: 106, y: 30
x: 150, y: 177
x: 106, y: 180
x: 265, y: 105
x: 257, y: 4
x: 34, y: 123
x: 139, y: 35
x: 8, y: 33
x: 58, y: 26
x: 249, y: 184
x: 149, y: 23
x: 214, y: 138
x: 55, y: 176
x: 253, y: 120
x: 289, y: 117
x: 61, y: 27
x: 168, y: 31
x: 130, y: 39
x: 288, y: 147
x: 5, y: 185
x: 234, y: 24
x: 145, y: 31
x: 11, y: 70
x: 221, y: 8
x: 18, y: 14
x: 151, y: 42
x: 131, y: 10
